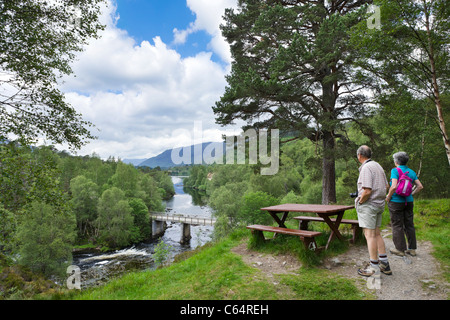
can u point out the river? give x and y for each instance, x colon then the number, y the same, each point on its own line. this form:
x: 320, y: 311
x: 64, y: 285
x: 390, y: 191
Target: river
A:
x: 97, y: 268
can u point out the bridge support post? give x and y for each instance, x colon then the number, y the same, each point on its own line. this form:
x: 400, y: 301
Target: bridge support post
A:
x: 185, y: 233
x: 157, y: 229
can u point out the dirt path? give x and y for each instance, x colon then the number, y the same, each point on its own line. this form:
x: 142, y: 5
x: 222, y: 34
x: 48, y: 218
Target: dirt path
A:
x: 413, y: 278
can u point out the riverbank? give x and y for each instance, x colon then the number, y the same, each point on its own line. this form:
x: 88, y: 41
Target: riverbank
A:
x: 99, y: 266
x: 215, y: 272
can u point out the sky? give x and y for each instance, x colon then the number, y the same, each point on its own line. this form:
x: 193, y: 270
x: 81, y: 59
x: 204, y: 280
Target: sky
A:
x: 149, y: 82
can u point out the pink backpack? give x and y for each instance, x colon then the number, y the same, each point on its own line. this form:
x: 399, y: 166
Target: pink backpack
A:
x: 405, y: 184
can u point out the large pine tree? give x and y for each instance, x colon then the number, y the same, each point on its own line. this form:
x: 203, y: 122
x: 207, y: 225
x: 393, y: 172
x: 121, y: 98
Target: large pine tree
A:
x: 292, y: 70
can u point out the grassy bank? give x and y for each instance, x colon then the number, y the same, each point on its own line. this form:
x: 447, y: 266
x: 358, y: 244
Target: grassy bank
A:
x: 214, y: 272
x: 432, y: 221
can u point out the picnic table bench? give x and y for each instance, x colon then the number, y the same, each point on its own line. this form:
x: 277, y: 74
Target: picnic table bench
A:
x: 323, y: 211
x: 356, y: 230
x: 307, y: 237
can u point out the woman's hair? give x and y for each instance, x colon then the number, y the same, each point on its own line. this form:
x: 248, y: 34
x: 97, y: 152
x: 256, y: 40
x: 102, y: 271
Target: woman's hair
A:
x: 401, y: 158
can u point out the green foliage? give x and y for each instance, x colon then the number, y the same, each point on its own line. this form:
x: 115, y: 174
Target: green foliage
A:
x: 215, y: 272
x: 252, y: 202
x: 164, y: 183
x: 235, y: 191
x: 85, y: 196
x: 150, y: 193
x: 197, y: 177
x: 291, y: 197
x: 141, y: 220
x: 27, y: 175
x: 406, y: 60
x: 125, y: 178
x: 432, y: 222
x: 161, y: 253
x: 81, y: 185
x: 37, y: 45
x: 407, y: 124
x: 227, y: 201
x: 7, y: 226
x: 18, y: 282
x: 90, y: 177
x: 44, y: 238
x: 305, y: 82
x: 293, y: 70
x: 400, y: 52
x: 114, y: 220
x: 38, y: 42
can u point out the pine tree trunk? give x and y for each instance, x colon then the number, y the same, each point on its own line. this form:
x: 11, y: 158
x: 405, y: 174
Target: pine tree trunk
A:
x: 328, y: 126
x: 328, y: 169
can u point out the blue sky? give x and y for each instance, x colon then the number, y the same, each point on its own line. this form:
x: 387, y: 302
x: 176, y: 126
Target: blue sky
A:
x: 143, y: 19
x: 149, y: 82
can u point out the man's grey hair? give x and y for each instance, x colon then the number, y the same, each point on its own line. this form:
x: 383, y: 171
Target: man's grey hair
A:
x: 401, y: 158
x: 365, y: 151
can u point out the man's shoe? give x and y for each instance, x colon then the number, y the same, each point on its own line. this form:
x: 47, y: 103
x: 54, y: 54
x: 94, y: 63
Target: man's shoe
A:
x: 385, y: 268
x: 411, y: 252
x: 397, y: 252
x: 368, y: 270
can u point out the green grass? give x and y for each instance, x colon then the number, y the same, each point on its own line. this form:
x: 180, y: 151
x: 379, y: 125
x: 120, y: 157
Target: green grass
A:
x: 432, y: 221
x: 318, y: 284
x: 214, y: 272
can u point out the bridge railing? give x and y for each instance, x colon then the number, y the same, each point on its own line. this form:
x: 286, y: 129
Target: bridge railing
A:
x: 182, y: 219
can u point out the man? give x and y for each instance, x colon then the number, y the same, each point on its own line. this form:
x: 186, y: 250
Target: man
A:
x: 372, y: 186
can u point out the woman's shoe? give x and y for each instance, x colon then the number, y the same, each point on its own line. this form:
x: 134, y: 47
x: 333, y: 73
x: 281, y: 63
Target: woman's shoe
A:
x: 411, y: 252
x: 397, y: 252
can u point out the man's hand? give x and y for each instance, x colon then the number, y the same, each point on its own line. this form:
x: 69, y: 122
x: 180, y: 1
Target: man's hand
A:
x: 365, y: 195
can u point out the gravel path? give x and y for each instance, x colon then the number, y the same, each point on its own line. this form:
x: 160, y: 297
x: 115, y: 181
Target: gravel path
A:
x: 413, y: 278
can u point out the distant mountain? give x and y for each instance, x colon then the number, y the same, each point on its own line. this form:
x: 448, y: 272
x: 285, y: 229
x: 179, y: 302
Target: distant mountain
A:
x: 134, y: 162
x: 164, y: 159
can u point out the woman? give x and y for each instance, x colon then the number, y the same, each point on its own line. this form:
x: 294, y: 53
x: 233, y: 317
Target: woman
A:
x: 401, y: 209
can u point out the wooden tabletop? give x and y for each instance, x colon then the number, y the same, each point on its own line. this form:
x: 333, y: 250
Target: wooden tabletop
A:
x: 316, y: 208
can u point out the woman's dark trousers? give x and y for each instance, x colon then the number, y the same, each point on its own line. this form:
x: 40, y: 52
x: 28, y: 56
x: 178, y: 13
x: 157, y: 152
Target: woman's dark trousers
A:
x: 402, y: 220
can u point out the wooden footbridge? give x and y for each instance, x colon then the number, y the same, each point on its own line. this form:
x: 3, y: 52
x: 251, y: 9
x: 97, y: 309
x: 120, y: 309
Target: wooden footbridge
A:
x: 158, y: 219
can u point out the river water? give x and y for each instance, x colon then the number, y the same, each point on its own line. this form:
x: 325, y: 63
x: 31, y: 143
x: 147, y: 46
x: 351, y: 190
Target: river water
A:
x: 97, y: 268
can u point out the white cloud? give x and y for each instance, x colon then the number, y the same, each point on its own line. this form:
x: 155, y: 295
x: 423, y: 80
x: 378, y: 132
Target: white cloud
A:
x: 140, y: 96
x: 209, y: 17
x: 180, y: 36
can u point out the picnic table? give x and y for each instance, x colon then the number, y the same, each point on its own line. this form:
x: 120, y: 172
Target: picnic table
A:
x: 323, y: 211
